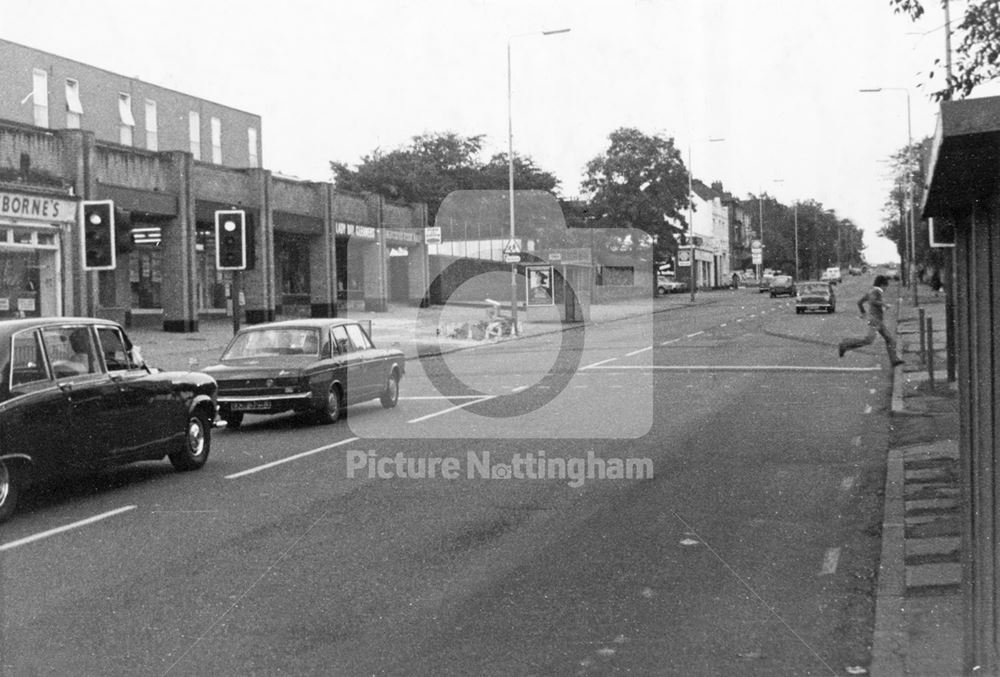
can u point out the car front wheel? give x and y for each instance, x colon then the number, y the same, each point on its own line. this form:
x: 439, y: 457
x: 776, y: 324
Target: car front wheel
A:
x: 333, y: 407
x: 8, y: 491
x: 390, y: 396
x: 197, y: 442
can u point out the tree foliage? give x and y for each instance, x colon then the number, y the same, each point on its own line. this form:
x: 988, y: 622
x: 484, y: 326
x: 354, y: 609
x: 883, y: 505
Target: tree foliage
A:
x: 435, y: 164
x: 824, y: 238
x: 639, y: 182
x: 978, y: 50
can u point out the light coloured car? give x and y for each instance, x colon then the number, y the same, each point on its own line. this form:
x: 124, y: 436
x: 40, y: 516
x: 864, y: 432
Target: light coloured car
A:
x: 831, y: 275
x: 815, y: 296
x: 667, y: 284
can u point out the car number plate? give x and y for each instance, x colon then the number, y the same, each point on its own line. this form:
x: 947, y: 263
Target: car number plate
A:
x: 250, y: 406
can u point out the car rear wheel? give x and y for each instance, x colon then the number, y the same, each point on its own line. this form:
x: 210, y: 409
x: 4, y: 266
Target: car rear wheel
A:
x: 8, y: 491
x: 233, y: 420
x: 333, y: 407
x: 390, y: 396
x: 197, y: 442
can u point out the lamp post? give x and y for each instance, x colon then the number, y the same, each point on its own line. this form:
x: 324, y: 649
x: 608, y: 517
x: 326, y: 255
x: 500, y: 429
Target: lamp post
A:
x: 910, y: 250
x: 691, y: 247
x: 510, y: 170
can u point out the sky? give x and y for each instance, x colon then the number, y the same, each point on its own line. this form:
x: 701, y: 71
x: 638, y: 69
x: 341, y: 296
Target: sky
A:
x: 333, y: 80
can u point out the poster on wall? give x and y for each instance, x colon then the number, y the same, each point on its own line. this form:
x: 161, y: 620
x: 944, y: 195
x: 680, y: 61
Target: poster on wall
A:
x: 540, y: 286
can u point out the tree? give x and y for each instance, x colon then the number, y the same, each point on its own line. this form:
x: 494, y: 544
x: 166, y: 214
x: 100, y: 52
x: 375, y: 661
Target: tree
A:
x: 639, y: 182
x: 978, y: 51
x: 433, y: 165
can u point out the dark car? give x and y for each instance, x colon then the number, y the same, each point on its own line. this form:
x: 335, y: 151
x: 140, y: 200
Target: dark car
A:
x: 312, y: 365
x: 76, y: 397
x: 782, y: 285
x: 815, y: 296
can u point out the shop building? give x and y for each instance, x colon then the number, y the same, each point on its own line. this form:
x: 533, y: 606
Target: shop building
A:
x: 63, y: 139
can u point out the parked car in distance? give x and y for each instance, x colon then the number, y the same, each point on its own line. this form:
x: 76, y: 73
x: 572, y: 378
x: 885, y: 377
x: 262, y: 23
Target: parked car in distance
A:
x: 76, y: 397
x: 765, y: 282
x: 782, y: 285
x: 854, y: 270
x: 831, y: 275
x: 667, y: 284
x: 311, y: 365
x: 813, y: 295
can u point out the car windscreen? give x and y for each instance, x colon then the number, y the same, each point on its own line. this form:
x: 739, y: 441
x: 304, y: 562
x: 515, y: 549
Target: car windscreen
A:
x: 820, y: 289
x: 784, y: 279
x: 268, y: 342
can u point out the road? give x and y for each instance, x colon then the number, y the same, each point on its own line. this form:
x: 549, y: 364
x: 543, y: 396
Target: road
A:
x: 750, y: 550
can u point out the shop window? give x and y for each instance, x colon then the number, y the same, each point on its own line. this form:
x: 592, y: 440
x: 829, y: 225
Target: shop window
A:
x: 616, y: 276
x: 74, y: 109
x: 125, y: 118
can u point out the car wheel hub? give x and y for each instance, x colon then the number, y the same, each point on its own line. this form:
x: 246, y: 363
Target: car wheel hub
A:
x: 196, y: 437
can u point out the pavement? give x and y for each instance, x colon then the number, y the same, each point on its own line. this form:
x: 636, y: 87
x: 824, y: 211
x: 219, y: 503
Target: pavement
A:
x: 401, y: 326
x: 918, y: 610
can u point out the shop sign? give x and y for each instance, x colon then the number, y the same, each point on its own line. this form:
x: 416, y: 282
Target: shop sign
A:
x: 407, y: 236
x: 364, y: 232
x: 37, y: 208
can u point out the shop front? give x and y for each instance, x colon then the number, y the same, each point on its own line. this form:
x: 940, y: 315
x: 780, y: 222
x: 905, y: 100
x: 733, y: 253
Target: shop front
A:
x: 33, y: 237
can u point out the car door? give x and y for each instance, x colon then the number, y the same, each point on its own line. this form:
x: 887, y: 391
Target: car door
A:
x: 350, y: 361
x: 370, y: 361
x: 35, y: 410
x: 150, y: 412
x: 93, y: 423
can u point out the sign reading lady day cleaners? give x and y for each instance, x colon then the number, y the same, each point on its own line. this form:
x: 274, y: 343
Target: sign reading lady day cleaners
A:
x: 26, y: 207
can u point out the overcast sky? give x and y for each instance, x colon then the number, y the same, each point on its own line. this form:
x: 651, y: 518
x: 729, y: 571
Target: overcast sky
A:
x: 333, y: 80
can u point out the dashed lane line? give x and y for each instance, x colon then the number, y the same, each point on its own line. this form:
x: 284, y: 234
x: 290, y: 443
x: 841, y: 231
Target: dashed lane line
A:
x: 295, y: 457
x: 67, y: 527
x: 455, y: 408
x: 830, y: 559
x: 597, y: 364
x: 697, y: 333
x: 636, y: 352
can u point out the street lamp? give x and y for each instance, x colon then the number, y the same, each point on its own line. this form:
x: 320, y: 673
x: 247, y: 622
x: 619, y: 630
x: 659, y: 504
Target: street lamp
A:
x: 693, y: 269
x: 911, y: 249
x: 510, y: 170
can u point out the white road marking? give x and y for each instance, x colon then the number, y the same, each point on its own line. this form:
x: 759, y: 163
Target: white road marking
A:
x: 58, y: 530
x: 666, y: 343
x: 868, y: 409
x: 518, y: 389
x: 451, y: 409
x: 596, y: 364
x: 830, y: 560
x: 723, y: 324
x: 289, y: 459
x: 856, y: 441
x: 739, y: 319
x: 871, y: 391
x: 442, y: 397
x: 697, y: 333
x: 846, y: 484
x: 747, y: 367
x: 636, y: 352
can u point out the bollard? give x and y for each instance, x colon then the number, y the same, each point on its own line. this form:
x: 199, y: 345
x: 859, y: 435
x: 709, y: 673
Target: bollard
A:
x: 923, y: 336
x: 930, y: 350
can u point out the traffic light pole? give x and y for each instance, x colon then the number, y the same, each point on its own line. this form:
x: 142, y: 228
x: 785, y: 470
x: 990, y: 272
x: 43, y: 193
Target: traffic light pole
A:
x: 235, y: 290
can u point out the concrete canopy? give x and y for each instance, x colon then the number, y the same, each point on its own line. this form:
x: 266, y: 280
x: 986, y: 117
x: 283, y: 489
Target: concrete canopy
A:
x: 964, y: 158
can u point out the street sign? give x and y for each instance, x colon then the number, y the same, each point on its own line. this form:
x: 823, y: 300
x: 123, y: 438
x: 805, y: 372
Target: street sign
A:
x: 512, y: 258
x: 756, y: 244
x: 512, y: 247
x: 756, y: 257
x: 555, y: 256
x: 684, y: 257
x: 432, y: 235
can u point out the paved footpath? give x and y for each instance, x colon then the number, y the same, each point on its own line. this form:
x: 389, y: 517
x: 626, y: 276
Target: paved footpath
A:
x: 918, y: 617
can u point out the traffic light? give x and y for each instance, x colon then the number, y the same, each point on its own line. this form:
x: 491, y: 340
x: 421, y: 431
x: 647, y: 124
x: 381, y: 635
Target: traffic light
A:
x: 231, y: 239
x: 97, y: 234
